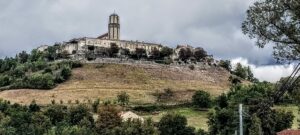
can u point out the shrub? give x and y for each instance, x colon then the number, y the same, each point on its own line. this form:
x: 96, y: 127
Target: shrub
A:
x: 41, y: 81
x: 96, y: 104
x: 174, y: 124
x: 66, y: 73
x: 4, y: 81
x: 123, y: 98
x: 201, y: 99
x: 76, y: 64
x: 191, y: 67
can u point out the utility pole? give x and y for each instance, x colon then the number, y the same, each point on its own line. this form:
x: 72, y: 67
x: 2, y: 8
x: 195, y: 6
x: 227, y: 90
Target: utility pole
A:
x: 241, y: 118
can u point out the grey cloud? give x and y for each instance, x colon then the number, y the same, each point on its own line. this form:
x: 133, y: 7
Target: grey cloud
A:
x: 214, y: 24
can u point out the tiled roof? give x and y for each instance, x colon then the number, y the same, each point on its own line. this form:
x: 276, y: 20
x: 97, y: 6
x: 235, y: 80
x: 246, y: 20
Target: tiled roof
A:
x: 289, y: 132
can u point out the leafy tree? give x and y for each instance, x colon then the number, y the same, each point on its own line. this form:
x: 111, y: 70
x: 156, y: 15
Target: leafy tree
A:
x: 222, y: 100
x: 56, y: 113
x: 255, y: 128
x: 35, y: 55
x: 123, y: 98
x: 40, y: 123
x: 225, y: 64
x: 33, y: 107
x: 4, y: 81
x: 78, y: 113
x: 51, y: 53
x: 107, y: 120
x: 174, y: 124
x: 41, y: 81
x: 66, y: 73
x: 222, y: 121
x: 240, y: 71
x: 140, y: 52
x: 166, y: 51
x: 185, y: 54
x: 114, y: 49
x: 275, y: 21
x: 200, y: 53
x: 201, y: 99
x: 95, y: 105
x: 136, y: 127
x: 23, y: 57
x: 155, y: 53
x: 283, y: 120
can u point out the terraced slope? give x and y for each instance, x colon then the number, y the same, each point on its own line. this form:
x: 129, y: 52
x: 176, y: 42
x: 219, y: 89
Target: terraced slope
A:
x: 139, y: 81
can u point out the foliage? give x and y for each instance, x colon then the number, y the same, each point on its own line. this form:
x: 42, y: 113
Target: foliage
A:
x: 140, y: 52
x: 185, y: 54
x: 123, y: 98
x: 222, y: 101
x: 166, y: 52
x: 200, y: 53
x: 171, y: 124
x: 107, y: 120
x: 41, y: 81
x: 226, y: 64
x: 114, y: 50
x: 201, y: 99
x: 136, y: 127
x: 255, y: 128
x: 275, y: 21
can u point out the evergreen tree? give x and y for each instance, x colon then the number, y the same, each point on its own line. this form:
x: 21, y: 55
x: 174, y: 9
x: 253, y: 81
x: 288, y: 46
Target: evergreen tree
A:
x: 255, y: 128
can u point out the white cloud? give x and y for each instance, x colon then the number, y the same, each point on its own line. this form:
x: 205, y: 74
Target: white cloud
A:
x: 271, y: 73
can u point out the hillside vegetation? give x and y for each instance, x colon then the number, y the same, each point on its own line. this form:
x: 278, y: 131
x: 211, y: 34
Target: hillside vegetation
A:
x: 141, y: 82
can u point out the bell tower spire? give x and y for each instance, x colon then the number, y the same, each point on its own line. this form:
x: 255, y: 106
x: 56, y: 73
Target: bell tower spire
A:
x: 114, y: 27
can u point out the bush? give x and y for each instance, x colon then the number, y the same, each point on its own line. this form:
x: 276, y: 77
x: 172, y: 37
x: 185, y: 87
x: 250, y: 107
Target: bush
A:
x: 191, y: 67
x: 201, y: 99
x: 66, y: 73
x: 4, y: 81
x: 123, y: 98
x: 174, y: 124
x: 41, y: 81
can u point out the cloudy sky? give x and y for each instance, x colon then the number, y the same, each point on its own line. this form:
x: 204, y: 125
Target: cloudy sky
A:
x: 211, y: 24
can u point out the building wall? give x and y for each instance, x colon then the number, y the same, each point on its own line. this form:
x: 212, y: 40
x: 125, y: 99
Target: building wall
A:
x: 131, y: 45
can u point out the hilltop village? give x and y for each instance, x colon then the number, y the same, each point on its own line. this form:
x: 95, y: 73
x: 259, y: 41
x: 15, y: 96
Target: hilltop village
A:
x: 110, y: 45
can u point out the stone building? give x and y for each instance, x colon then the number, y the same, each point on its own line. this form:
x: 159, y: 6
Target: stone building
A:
x: 79, y: 45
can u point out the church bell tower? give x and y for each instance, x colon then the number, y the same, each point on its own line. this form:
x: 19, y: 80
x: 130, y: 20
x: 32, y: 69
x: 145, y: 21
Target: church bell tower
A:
x: 114, y: 27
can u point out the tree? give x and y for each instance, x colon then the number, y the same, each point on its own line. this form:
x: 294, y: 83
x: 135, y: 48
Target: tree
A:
x: 66, y: 72
x: 201, y: 99
x: 41, y: 81
x: 123, y: 98
x: 155, y: 53
x: 23, y: 57
x: 140, y: 52
x: 136, y: 127
x: 51, y: 53
x: 200, y: 53
x: 240, y: 71
x: 174, y: 124
x: 114, y: 49
x: 222, y: 100
x: 250, y: 75
x: 255, y: 128
x: 225, y: 64
x: 78, y: 113
x: 166, y: 51
x: 56, y: 113
x: 283, y: 120
x: 107, y: 120
x: 185, y: 54
x: 275, y: 21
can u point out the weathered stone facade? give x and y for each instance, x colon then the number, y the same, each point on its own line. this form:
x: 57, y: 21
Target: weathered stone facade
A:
x: 79, y: 45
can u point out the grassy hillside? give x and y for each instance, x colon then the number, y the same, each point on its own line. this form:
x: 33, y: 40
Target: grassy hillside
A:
x: 105, y: 81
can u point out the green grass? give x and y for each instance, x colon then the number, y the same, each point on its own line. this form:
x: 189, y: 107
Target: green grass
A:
x: 295, y: 110
x: 197, y: 119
